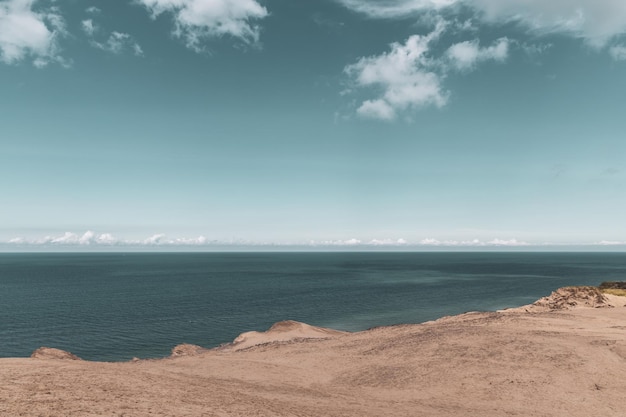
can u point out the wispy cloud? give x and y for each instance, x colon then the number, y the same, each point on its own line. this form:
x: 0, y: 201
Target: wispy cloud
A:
x: 197, y: 21
x: 596, y: 21
x: 116, y: 42
x: 394, y: 8
x: 88, y: 27
x: 618, y: 52
x: 29, y: 34
x: 119, y: 42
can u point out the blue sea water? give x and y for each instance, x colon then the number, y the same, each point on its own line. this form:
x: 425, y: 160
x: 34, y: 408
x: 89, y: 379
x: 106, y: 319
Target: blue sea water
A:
x: 113, y: 307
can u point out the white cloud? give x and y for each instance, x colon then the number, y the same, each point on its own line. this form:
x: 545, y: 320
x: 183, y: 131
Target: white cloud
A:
x: 119, y: 42
x: 93, y: 10
x: 27, y: 33
x: 409, y: 77
x: 199, y: 20
x: 618, y: 52
x: 406, y: 75
x: 465, y: 55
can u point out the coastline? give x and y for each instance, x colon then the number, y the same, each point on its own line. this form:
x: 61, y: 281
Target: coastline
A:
x: 522, y: 361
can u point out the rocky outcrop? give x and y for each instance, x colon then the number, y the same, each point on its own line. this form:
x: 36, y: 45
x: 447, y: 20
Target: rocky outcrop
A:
x: 186, y: 349
x: 570, y: 297
x: 613, y: 285
x: 52, y: 353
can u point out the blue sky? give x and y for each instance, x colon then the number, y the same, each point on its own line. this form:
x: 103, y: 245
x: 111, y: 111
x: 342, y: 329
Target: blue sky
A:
x: 327, y: 123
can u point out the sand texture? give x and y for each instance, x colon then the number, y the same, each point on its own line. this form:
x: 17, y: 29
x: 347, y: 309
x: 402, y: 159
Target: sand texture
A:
x: 553, y: 358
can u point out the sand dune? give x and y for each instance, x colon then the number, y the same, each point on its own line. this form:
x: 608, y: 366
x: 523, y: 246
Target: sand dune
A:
x: 562, y: 356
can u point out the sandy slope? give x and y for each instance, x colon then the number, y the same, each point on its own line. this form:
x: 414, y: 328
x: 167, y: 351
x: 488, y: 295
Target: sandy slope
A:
x: 564, y: 362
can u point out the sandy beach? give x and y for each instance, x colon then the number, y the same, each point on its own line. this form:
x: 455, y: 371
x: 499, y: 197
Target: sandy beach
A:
x: 563, y: 356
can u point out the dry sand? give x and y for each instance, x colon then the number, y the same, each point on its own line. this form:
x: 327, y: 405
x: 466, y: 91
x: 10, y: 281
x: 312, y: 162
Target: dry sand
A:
x: 563, y: 356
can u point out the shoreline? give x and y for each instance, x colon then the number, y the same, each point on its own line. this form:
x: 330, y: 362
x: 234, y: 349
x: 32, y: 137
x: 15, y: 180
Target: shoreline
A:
x: 290, y: 330
x: 566, y: 356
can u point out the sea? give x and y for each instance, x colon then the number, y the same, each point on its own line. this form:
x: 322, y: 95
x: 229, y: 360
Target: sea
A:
x: 116, y: 306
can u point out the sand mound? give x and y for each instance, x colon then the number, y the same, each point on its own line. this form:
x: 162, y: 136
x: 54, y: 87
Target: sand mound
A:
x: 186, y: 349
x: 570, y: 297
x: 283, y: 331
x: 52, y: 353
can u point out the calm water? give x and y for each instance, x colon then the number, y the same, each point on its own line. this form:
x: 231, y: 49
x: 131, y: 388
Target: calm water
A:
x: 116, y: 306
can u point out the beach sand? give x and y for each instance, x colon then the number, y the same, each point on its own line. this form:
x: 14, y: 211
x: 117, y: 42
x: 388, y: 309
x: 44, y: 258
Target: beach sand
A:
x: 561, y: 357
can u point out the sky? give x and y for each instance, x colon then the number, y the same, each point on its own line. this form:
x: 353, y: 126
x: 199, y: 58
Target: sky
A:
x: 316, y: 124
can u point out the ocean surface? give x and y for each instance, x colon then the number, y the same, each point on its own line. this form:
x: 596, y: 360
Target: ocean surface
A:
x: 113, y: 307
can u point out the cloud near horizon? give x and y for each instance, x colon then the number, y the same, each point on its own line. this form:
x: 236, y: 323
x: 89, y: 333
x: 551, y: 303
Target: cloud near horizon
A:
x: 92, y: 239
x: 472, y: 243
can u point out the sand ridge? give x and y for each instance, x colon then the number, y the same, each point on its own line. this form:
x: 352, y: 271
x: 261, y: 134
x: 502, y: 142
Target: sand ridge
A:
x: 282, y: 331
x: 551, y: 362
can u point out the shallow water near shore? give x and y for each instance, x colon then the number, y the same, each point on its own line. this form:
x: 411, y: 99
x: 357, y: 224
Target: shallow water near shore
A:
x: 112, y: 307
